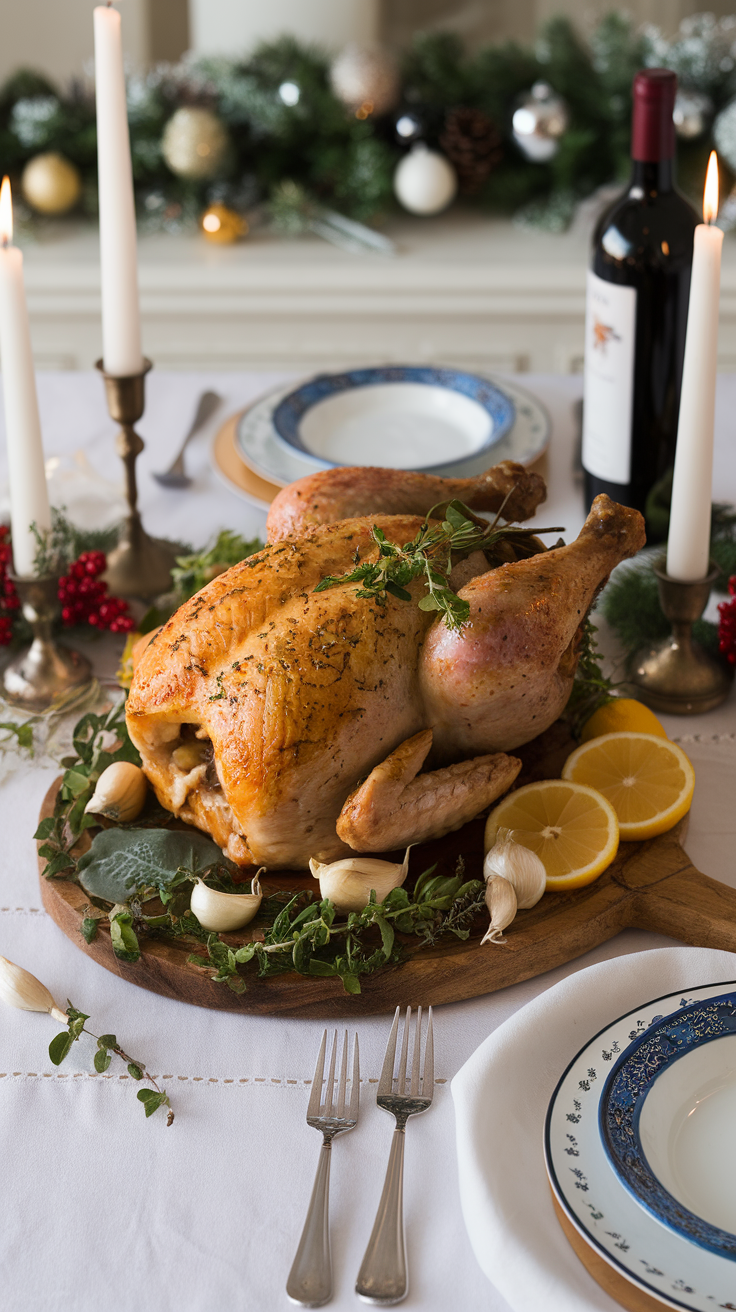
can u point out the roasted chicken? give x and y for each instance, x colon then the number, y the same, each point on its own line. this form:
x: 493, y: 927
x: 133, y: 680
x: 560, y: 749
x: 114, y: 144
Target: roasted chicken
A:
x: 289, y: 723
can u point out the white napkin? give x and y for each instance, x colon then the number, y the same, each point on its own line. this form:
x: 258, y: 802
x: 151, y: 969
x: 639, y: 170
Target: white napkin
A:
x: 501, y: 1096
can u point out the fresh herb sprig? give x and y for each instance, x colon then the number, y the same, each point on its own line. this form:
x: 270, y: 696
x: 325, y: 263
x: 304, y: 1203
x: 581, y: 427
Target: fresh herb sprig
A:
x: 591, y: 687
x: 99, y: 741
x: 429, y: 556
x: 307, y: 937
x: 193, y: 571
x: 107, y: 1047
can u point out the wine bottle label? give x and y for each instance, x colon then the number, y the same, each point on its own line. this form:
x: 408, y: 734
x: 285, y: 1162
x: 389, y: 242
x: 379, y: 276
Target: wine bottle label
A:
x: 610, y: 332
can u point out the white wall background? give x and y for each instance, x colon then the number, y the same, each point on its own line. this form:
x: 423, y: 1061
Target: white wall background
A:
x: 222, y: 26
x: 55, y: 36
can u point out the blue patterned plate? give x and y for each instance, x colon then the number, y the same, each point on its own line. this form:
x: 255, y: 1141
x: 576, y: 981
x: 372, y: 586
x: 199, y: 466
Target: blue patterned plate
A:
x: 668, y: 1122
x: 398, y: 416
x: 270, y: 458
x: 656, y: 1257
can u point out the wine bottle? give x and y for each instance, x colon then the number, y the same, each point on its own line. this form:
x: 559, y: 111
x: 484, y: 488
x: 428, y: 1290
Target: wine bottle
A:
x: 637, y: 299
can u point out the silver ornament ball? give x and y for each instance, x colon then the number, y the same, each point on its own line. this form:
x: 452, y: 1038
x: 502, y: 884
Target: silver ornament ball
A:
x: 540, y: 119
x: 425, y: 182
x: 366, y: 79
x: 194, y: 143
x: 724, y: 135
x: 692, y: 113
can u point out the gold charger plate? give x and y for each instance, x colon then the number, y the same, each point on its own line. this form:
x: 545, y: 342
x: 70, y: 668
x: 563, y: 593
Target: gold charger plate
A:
x: 231, y: 465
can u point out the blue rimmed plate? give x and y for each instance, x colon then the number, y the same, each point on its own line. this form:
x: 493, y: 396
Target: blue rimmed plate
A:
x: 398, y: 416
x: 602, y: 1208
x: 272, y: 460
x: 668, y: 1122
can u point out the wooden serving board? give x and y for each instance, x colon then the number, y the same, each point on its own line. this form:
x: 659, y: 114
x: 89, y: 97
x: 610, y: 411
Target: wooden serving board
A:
x: 651, y: 885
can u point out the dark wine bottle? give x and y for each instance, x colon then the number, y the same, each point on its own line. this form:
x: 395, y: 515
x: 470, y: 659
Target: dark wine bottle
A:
x: 638, y: 292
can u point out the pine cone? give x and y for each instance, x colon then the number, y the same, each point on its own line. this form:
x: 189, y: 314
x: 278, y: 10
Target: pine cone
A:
x: 472, y: 142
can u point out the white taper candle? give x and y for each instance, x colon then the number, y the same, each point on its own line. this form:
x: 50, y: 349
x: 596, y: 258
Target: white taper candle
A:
x: 29, y: 498
x: 688, y: 543
x: 121, y: 328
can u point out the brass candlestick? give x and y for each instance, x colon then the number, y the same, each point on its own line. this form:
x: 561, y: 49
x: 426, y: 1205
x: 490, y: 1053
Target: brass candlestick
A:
x: 678, y: 676
x: 45, y: 672
x: 140, y: 566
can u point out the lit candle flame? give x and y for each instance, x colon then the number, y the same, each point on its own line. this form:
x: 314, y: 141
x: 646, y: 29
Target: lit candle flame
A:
x: 6, y: 213
x: 710, y: 195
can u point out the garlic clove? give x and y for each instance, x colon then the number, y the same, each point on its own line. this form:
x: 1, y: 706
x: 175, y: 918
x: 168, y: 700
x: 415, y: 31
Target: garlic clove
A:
x: 501, y: 902
x: 19, y: 988
x: 120, y: 792
x: 348, y: 882
x: 220, y: 912
x: 520, y: 866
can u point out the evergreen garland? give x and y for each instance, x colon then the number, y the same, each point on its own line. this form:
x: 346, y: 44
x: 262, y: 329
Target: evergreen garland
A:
x: 332, y: 157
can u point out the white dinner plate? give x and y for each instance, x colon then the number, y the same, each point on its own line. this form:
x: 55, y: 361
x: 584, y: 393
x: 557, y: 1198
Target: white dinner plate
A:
x: 397, y: 416
x: 652, y: 1255
x: 264, y: 453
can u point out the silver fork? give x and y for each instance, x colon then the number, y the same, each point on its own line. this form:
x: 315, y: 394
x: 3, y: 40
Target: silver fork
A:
x: 383, y: 1276
x: 310, y: 1278
x: 176, y: 475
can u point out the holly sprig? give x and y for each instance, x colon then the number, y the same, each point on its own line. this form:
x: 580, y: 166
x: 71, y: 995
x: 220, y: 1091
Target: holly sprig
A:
x: 107, y: 1047
x: 429, y: 556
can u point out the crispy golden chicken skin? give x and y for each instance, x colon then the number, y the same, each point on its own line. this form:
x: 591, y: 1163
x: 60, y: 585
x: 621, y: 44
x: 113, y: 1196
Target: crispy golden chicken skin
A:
x: 289, y: 723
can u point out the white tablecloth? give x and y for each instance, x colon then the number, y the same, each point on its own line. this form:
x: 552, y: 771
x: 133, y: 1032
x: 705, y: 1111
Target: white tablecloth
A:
x: 102, y: 1208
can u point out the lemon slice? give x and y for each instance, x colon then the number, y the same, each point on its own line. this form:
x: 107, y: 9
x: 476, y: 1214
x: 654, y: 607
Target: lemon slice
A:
x: 572, y: 828
x: 647, y: 779
x: 623, y: 714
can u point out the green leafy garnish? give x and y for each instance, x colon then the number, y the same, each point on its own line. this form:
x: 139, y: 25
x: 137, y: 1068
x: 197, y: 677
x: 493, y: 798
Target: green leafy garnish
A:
x: 192, y: 572
x: 107, y: 1047
x: 429, y: 556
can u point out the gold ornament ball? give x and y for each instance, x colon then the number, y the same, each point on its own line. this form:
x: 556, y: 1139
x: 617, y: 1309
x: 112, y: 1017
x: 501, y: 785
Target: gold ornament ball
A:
x: 194, y: 143
x: 221, y: 224
x: 366, y: 79
x: 51, y: 184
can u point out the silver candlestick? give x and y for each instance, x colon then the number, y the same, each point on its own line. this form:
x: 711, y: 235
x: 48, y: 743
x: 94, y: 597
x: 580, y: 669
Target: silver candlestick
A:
x: 678, y: 676
x: 45, y: 672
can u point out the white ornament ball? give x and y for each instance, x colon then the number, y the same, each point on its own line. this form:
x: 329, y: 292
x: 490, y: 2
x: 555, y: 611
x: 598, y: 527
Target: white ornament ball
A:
x: 194, y: 143
x: 724, y: 134
x: 692, y: 113
x: 538, y: 122
x: 366, y: 79
x: 425, y: 182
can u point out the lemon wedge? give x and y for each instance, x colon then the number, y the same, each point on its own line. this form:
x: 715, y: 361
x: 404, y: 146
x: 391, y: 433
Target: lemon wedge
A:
x: 572, y: 828
x: 647, y: 779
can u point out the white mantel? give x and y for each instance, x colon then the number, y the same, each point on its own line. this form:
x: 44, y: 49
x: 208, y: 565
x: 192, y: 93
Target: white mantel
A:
x: 462, y: 289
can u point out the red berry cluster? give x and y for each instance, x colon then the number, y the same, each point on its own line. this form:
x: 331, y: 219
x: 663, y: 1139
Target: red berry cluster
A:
x: 84, y: 597
x: 727, y: 624
x: 9, y: 602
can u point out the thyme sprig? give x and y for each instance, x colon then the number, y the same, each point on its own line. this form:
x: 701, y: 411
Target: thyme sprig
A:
x: 307, y: 937
x: 591, y: 687
x: 429, y: 556
x: 107, y: 1047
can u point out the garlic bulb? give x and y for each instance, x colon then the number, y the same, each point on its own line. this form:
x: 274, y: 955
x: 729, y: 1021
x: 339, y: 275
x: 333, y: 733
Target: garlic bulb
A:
x: 224, y: 911
x: 21, y: 989
x: 348, y: 882
x: 523, y: 869
x: 501, y: 902
x: 119, y: 792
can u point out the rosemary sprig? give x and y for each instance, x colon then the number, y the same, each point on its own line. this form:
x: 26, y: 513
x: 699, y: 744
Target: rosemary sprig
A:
x: 429, y: 556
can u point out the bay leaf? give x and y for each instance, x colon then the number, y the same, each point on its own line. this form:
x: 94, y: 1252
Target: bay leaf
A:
x: 120, y: 860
